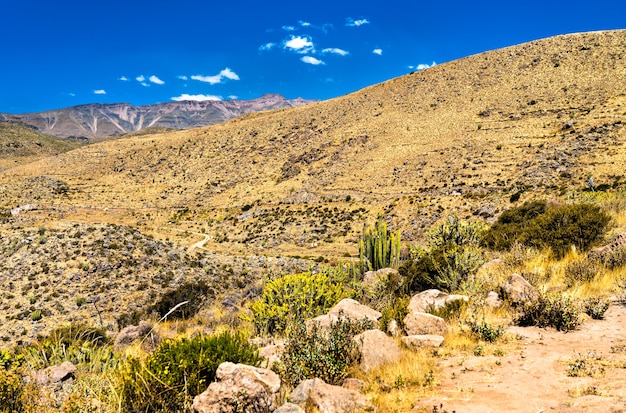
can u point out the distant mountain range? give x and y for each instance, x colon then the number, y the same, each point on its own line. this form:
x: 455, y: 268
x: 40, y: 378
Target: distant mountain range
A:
x: 103, y: 120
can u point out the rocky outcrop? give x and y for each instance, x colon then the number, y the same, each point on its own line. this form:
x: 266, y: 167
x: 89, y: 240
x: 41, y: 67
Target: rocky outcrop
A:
x: 329, y: 399
x: 376, y: 349
x: 239, y: 387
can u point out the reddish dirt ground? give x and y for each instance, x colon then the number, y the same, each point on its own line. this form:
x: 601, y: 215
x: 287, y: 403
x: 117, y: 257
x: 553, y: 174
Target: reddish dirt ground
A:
x: 537, y: 375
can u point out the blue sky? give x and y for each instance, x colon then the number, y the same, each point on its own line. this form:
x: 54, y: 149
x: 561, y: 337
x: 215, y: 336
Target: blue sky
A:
x: 58, y: 53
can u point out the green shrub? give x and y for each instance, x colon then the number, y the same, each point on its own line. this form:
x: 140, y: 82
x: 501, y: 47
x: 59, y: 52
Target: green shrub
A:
x: 396, y: 309
x: 450, y: 258
x: 11, y: 392
x: 316, y: 353
x: 596, y: 307
x: 581, y: 225
x: 536, y: 224
x: 295, y: 298
x: 485, y: 331
x: 511, y: 225
x: 194, y: 292
x: 178, y: 370
x: 550, y: 310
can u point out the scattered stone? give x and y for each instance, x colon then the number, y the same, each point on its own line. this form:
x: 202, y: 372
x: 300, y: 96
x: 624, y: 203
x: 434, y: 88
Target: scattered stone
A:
x: 424, y: 340
x: 485, y: 211
x: 56, y: 374
x: 376, y: 349
x: 518, y: 290
x: 493, y: 300
x: 329, y: 399
x: 422, y: 323
x: 353, y: 384
x: 130, y: 334
x: 433, y: 300
x: 289, y: 408
x: 616, y: 244
x: 239, y: 387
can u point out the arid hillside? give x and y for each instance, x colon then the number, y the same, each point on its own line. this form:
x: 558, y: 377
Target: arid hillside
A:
x: 539, y: 118
x: 20, y: 143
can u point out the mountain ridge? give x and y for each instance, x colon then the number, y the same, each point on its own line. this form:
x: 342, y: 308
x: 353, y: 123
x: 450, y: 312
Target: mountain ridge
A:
x: 99, y: 120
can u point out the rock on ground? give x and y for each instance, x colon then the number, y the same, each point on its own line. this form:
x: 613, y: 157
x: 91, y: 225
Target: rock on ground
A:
x: 329, y: 399
x: 423, y: 323
x: 518, y: 290
x: 238, y: 387
x: 376, y: 349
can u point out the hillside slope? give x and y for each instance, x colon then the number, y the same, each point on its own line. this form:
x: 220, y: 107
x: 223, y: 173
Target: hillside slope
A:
x: 20, y: 143
x: 537, y: 119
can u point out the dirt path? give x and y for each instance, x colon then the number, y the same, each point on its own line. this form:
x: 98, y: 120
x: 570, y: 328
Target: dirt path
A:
x: 534, y: 378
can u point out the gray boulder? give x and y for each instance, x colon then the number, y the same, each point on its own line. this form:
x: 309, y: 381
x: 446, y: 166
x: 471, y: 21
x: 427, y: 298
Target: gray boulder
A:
x: 329, y: 399
x: 376, y: 349
x: 130, y: 334
x: 423, y: 323
x: 238, y: 387
x: 493, y: 300
x: 346, y: 309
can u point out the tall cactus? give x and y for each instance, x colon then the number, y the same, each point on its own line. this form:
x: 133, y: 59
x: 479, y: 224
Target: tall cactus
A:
x: 378, y: 248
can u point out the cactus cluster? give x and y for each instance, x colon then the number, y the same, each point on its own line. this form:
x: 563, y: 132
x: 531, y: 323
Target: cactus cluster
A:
x: 378, y: 247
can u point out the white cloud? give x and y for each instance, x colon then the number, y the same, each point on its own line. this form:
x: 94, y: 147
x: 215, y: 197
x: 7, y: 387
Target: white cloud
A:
x: 229, y: 74
x: 123, y: 79
x: 356, y: 23
x: 289, y: 28
x: 197, y: 98
x: 300, y: 44
x: 423, y: 66
x: 335, y: 50
x: 312, y: 61
x: 141, y: 78
x: 225, y: 73
x: 233, y: 97
x: 182, y: 77
x: 378, y: 51
x: 304, y: 24
x: 208, y: 79
x: 156, y: 80
x: 267, y: 46
x: 99, y: 92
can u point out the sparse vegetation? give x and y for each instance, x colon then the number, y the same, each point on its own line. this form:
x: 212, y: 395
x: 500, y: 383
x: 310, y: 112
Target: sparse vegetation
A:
x: 178, y: 370
x: 313, y: 352
x: 294, y: 298
x: 550, y: 310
